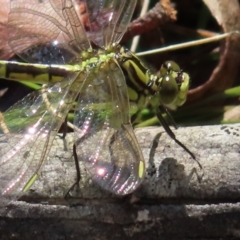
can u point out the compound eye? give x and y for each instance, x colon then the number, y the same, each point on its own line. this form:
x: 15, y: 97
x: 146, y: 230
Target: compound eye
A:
x: 169, y: 67
x: 168, y: 89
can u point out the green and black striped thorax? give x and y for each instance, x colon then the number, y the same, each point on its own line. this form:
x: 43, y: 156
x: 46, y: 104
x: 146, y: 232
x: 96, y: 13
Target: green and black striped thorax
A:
x: 170, y: 87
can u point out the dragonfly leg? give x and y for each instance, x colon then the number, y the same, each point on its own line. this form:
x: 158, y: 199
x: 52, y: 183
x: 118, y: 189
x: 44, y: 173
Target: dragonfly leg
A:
x: 169, y: 115
x: 78, y: 178
x: 172, y: 135
x: 65, y: 128
x: 135, y: 117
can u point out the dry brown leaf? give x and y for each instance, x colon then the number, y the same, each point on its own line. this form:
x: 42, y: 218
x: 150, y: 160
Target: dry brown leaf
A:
x: 227, y: 14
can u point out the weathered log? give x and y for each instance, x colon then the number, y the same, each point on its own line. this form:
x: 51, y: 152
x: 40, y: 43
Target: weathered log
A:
x: 177, y: 200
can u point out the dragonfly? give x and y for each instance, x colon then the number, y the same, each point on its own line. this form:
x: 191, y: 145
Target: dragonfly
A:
x: 72, y: 47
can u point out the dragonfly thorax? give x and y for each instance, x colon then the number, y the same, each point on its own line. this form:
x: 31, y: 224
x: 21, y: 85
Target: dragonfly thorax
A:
x: 170, y: 88
x: 95, y: 59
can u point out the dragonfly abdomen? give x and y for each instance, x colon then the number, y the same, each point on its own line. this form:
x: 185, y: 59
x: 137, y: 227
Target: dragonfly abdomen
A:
x: 38, y: 73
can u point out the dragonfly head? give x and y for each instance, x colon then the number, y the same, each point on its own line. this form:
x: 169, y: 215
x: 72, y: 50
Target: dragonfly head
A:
x: 173, y: 85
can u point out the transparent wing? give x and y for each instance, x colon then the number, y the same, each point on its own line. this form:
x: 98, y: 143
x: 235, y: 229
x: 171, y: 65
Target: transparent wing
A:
x: 104, y: 136
x: 108, y: 19
x: 27, y: 130
x: 5, y: 51
x: 48, y: 31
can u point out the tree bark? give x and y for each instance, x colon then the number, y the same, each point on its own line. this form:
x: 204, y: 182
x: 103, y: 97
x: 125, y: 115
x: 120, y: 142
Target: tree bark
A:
x: 177, y: 200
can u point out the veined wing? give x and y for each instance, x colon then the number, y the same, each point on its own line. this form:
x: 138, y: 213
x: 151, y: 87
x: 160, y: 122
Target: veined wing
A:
x: 108, y: 19
x: 104, y: 138
x: 5, y: 51
x: 48, y: 31
x: 26, y: 133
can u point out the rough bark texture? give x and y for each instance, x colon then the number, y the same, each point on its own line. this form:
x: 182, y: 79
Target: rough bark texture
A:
x: 177, y: 200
